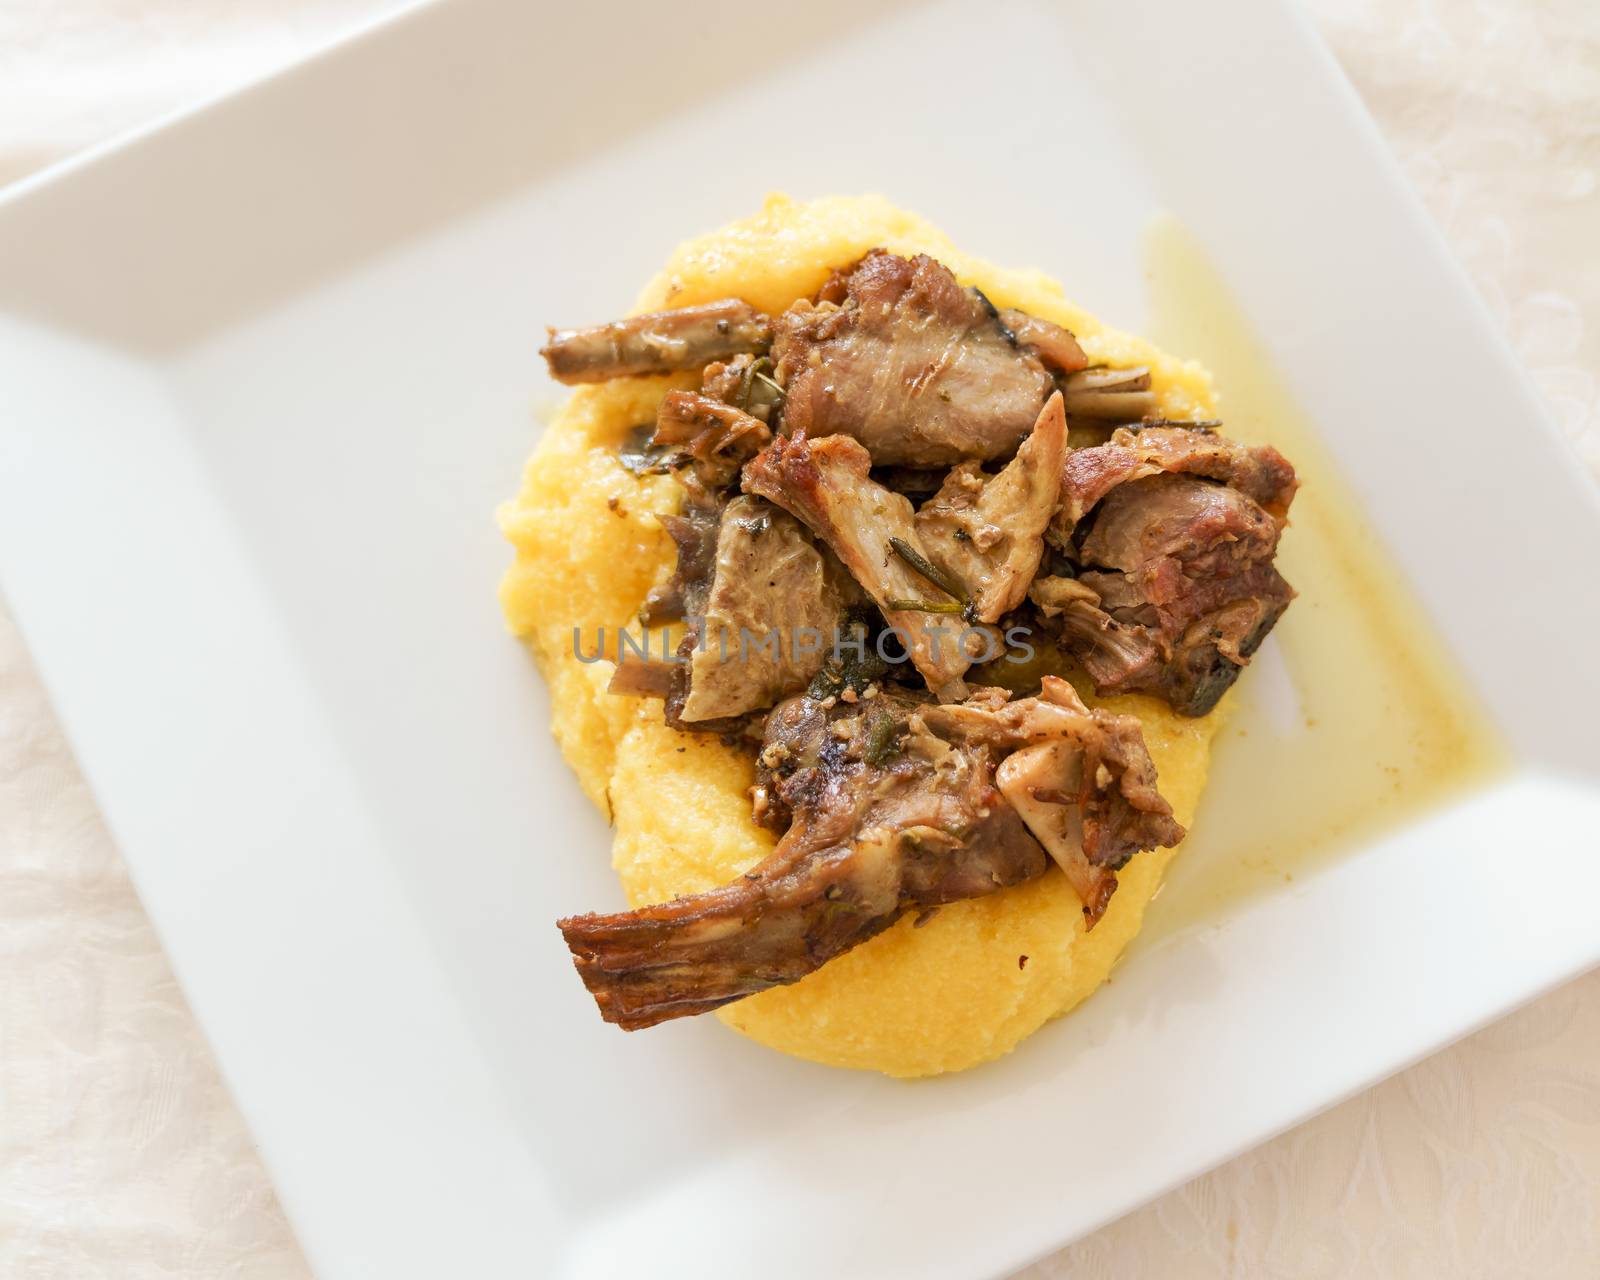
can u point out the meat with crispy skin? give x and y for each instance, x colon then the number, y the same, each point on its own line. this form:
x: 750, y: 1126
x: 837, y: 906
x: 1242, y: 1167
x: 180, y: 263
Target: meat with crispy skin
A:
x: 1259, y: 472
x: 1174, y: 532
x: 872, y: 530
x: 917, y: 368
x: 657, y: 342
x: 886, y: 816
x: 987, y: 532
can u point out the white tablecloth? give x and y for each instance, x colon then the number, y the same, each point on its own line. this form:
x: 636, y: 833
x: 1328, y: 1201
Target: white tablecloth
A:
x: 121, y: 1154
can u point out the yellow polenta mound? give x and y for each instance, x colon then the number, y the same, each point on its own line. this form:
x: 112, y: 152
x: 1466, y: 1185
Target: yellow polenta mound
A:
x: 913, y: 1001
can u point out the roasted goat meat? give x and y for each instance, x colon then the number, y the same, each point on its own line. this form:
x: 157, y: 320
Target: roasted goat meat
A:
x: 1171, y: 534
x: 714, y: 436
x: 894, y: 805
x: 657, y: 342
x: 918, y: 369
x: 775, y: 603
x: 825, y: 483
x: 1082, y: 780
x: 987, y: 532
x: 761, y: 605
x: 693, y: 531
x: 894, y: 450
x: 1055, y: 346
x: 1259, y: 472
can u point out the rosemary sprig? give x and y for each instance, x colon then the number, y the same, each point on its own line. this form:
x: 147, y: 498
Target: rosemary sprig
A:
x: 759, y: 393
x: 925, y: 606
x: 928, y: 569
x: 1195, y: 424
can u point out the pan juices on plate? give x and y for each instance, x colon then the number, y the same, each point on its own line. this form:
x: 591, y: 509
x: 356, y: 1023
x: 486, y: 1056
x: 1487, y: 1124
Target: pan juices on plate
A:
x: 951, y: 579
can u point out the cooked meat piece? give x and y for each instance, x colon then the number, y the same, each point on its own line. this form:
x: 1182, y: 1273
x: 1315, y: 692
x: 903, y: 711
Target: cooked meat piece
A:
x: 876, y: 831
x: 1054, y: 594
x: 1117, y: 656
x: 1260, y: 472
x: 774, y: 607
x: 1042, y: 784
x: 1050, y: 342
x: 825, y: 484
x: 1209, y: 527
x: 741, y: 564
x: 746, y: 382
x: 716, y: 437
x: 918, y: 369
x: 657, y: 342
x: 637, y: 677
x: 893, y: 804
x: 694, y: 532
x: 728, y: 380
x: 1175, y: 532
x: 988, y: 532
x: 1082, y: 780
x: 1114, y: 395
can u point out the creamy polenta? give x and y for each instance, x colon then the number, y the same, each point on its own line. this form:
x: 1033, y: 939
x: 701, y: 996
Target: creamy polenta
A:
x: 978, y: 976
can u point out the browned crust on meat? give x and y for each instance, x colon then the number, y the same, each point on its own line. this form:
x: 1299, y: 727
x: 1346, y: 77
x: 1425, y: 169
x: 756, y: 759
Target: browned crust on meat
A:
x: 656, y: 342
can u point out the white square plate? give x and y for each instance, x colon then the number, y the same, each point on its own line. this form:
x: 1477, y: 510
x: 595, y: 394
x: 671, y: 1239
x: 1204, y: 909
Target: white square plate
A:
x: 265, y: 373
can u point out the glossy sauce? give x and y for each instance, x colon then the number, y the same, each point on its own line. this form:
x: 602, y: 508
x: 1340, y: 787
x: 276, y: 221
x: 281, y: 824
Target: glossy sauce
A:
x: 1353, y: 716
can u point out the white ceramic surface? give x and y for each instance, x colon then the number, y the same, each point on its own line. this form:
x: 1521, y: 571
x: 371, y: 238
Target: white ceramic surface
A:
x: 266, y: 372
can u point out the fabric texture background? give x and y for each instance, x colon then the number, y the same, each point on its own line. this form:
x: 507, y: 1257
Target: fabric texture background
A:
x: 121, y: 1154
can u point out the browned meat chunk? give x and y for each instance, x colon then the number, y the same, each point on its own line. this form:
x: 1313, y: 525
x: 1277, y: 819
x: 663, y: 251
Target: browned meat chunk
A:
x: 727, y: 380
x: 1050, y: 342
x: 893, y: 805
x: 1261, y: 473
x: 746, y: 382
x: 657, y: 342
x: 773, y: 609
x: 1082, y: 780
x: 825, y: 484
x: 761, y: 604
x: 694, y: 533
x: 873, y: 834
x: 988, y: 532
x: 640, y: 677
x: 1174, y: 532
x: 716, y: 437
x: 917, y: 368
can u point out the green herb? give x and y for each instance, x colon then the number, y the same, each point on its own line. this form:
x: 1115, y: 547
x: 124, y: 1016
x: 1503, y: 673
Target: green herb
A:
x: 1203, y: 425
x: 851, y: 668
x: 883, y: 738
x: 759, y: 393
x: 640, y: 457
x: 925, y: 606
x: 928, y: 569
x: 827, y: 683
